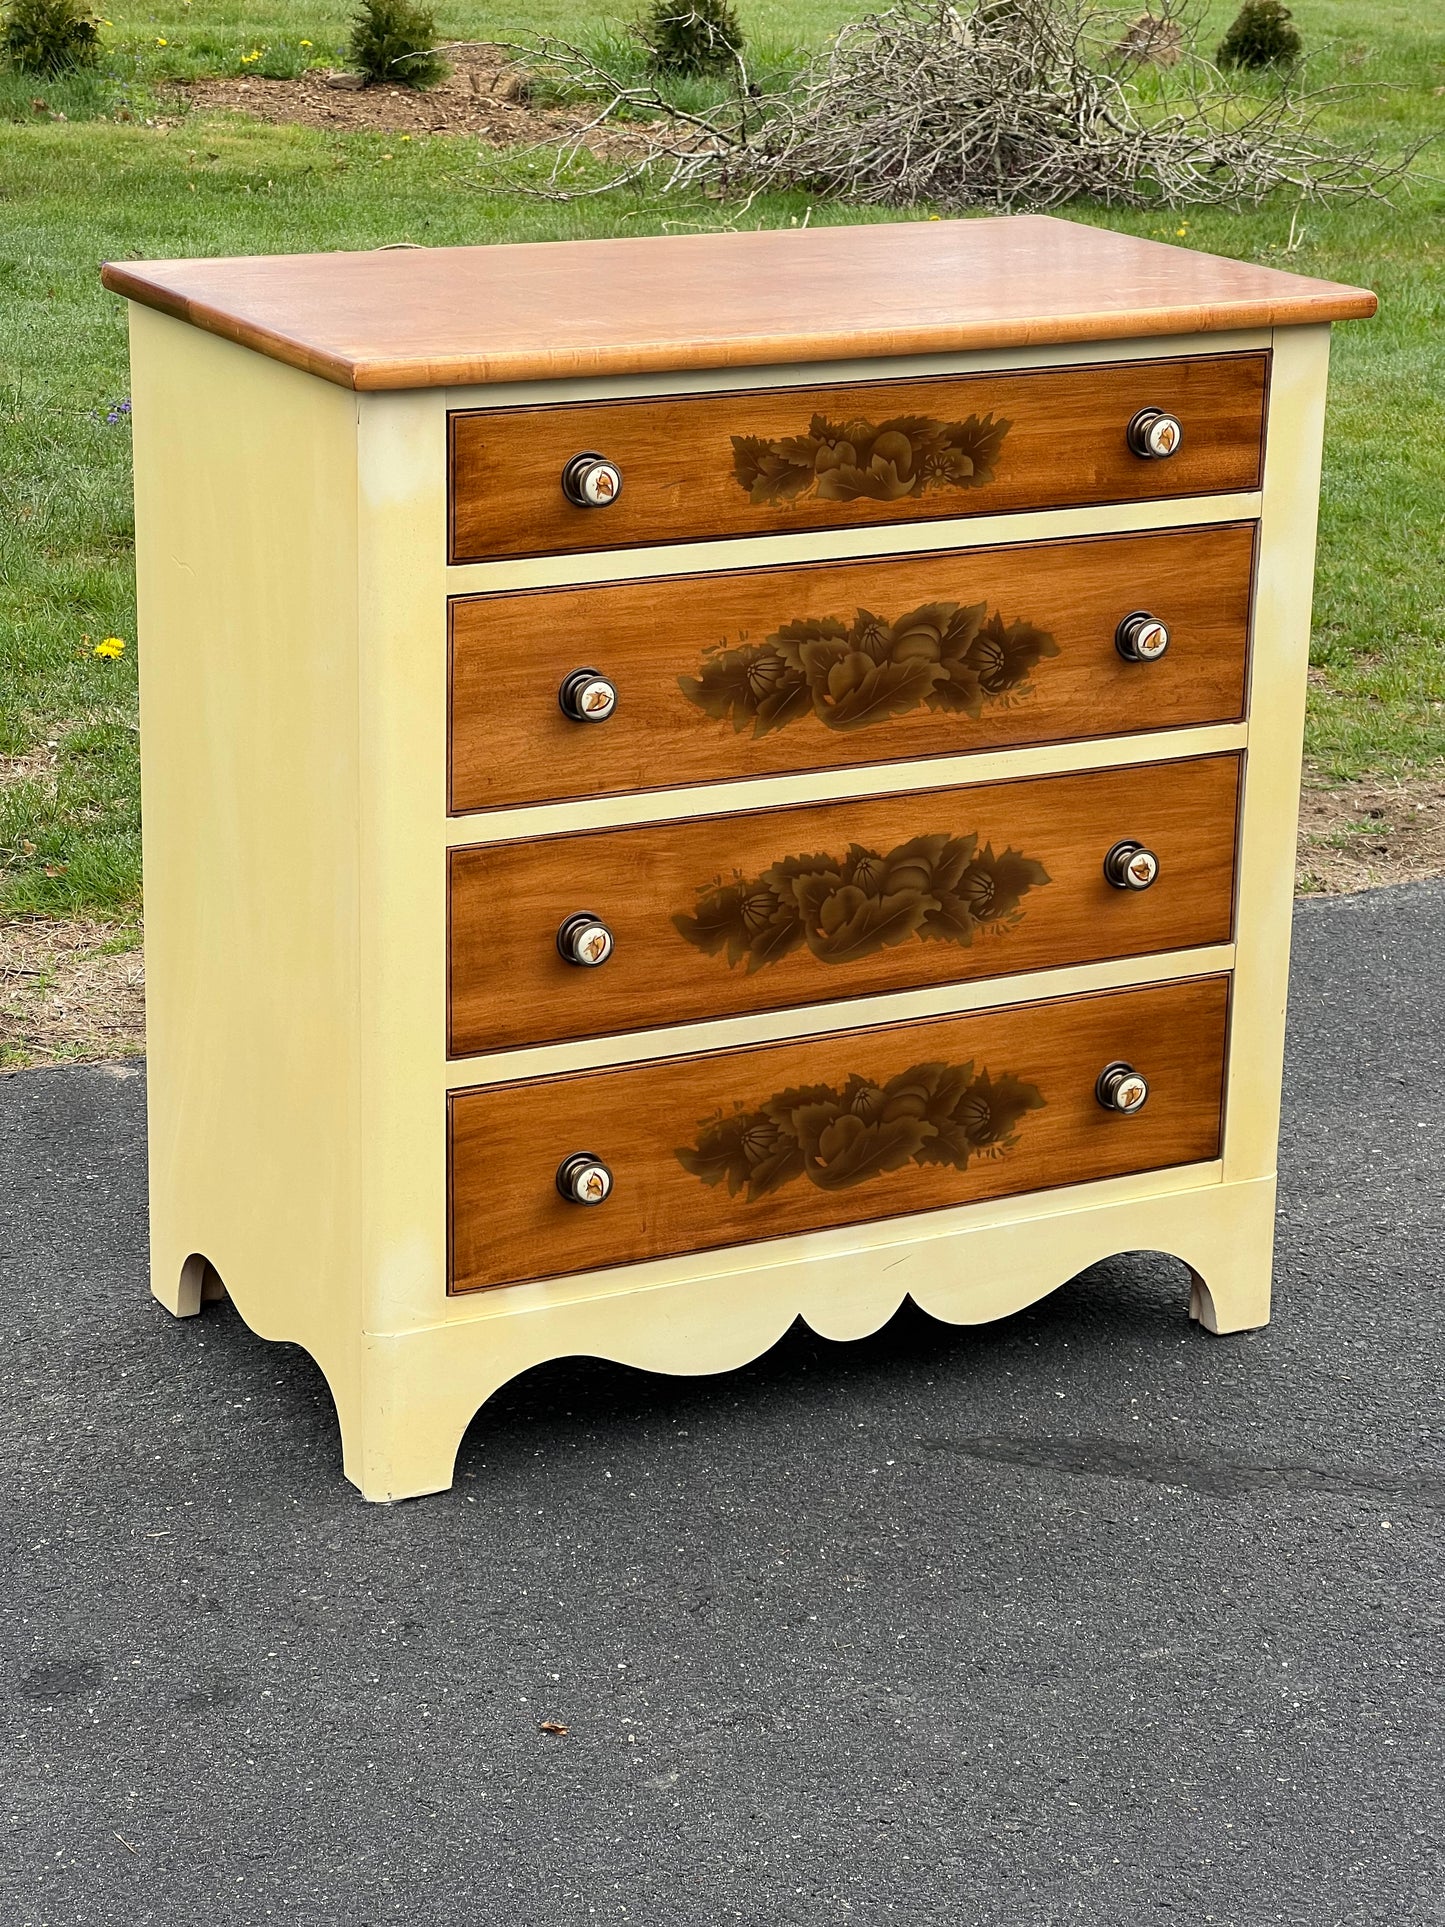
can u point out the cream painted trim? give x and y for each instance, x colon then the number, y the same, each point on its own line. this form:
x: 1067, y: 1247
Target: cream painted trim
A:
x: 421, y: 1387
x: 729, y: 553
x: 931, y: 1230
x: 1279, y: 665
x: 818, y: 374
x: 853, y: 1013
x: 754, y: 793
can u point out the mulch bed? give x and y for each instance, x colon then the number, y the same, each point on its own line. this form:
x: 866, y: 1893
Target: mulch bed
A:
x: 484, y: 95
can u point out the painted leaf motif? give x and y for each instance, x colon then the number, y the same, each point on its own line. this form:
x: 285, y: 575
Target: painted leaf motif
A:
x: 936, y: 887
x: 719, y: 923
x: 844, y: 1149
x: 749, y: 1152
x: 930, y: 1092
x: 863, y: 461
x: 1010, y: 877
x: 984, y: 1117
x: 932, y: 1113
x: 720, y: 688
x: 848, y: 925
x: 1002, y: 657
x: 849, y: 689
x: 941, y: 656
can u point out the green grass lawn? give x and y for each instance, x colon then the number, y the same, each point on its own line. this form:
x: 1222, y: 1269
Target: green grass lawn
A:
x: 79, y: 191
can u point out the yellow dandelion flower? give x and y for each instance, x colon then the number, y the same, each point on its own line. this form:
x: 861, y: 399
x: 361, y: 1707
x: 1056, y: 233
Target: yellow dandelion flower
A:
x: 159, y: 41
x: 304, y: 43
x: 110, y: 647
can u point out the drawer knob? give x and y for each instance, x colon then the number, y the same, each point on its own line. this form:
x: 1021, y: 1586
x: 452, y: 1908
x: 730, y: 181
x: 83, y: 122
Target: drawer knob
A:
x: 1141, y: 637
x: 1154, y: 435
x: 1129, y: 866
x: 583, y: 1178
x: 587, y: 696
x: 584, y: 939
x: 590, y: 481
x: 1121, y: 1088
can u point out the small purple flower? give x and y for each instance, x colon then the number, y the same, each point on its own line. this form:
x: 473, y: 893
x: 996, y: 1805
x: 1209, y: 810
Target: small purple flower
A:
x: 120, y: 412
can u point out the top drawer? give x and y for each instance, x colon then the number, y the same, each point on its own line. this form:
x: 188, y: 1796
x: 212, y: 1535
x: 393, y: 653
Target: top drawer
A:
x: 760, y: 461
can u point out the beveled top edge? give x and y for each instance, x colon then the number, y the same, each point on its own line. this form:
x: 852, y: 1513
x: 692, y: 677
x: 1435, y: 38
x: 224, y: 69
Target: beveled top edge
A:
x: 455, y: 317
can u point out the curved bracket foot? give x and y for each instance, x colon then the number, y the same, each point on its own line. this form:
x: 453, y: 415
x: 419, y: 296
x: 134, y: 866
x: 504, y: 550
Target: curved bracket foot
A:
x: 1237, y: 1301
x: 196, y: 1284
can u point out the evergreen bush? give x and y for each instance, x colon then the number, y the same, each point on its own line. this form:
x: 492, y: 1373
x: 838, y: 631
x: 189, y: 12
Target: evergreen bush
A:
x: 1260, y: 36
x: 690, y: 37
x: 50, y: 36
x: 393, y: 40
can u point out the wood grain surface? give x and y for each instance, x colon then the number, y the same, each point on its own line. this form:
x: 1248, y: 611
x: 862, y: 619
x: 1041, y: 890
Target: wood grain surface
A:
x: 437, y: 317
x: 663, y: 639
x: 843, y: 457
x: 855, y: 1126
x: 771, y: 908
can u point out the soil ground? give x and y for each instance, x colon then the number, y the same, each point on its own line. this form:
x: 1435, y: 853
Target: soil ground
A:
x: 74, y: 991
x: 484, y: 95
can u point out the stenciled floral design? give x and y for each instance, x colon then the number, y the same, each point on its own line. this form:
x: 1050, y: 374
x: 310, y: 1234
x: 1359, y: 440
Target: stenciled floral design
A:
x: 931, y: 1114
x: 856, y: 460
x: 940, y: 888
x: 944, y: 656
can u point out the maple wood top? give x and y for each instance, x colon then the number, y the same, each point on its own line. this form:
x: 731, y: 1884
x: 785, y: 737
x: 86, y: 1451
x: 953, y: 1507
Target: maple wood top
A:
x: 443, y: 317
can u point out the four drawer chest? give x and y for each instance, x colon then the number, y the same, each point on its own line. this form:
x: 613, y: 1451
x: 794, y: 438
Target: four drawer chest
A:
x: 698, y: 782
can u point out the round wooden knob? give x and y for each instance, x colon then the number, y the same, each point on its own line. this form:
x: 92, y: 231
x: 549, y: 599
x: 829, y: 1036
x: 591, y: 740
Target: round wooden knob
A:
x: 1154, y: 435
x: 1129, y: 866
x: 1121, y: 1088
x: 1141, y: 637
x: 590, y: 481
x: 584, y: 939
x: 587, y: 696
x: 583, y: 1178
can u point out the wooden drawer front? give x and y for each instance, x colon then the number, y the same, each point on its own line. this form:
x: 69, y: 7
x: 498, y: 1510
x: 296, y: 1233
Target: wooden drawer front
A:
x: 777, y: 907
x: 749, y: 463
x: 768, y: 670
x: 740, y: 1145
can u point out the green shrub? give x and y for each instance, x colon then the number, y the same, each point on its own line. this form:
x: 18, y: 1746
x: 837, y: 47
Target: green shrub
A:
x: 1260, y: 36
x: 50, y: 36
x: 690, y: 36
x: 392, y: 40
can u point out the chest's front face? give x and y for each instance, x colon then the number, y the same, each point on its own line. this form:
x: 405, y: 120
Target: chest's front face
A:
x: 823, y: 793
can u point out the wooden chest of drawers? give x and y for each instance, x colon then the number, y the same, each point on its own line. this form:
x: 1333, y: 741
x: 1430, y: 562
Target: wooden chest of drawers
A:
x: 691, y: 783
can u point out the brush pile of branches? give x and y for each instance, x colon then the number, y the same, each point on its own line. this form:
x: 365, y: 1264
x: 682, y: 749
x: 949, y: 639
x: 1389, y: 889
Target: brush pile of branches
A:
x: 1008, y: 104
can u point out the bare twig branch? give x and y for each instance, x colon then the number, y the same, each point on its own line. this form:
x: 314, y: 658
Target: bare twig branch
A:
x: 1001, y: 104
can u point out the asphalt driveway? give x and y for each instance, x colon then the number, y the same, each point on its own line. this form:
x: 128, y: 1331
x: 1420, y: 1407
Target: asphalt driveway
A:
x: 1085, y: 1616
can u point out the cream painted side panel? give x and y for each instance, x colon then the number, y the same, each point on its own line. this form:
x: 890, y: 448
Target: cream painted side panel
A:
x: 246, y: 555
x: 1284, y: 589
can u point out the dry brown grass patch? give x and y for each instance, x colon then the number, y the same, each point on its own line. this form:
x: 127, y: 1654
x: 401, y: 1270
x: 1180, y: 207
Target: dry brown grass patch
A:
x: 71, y: 991
x: 1356, y: 836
